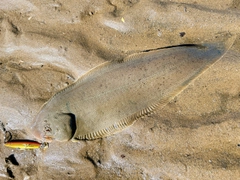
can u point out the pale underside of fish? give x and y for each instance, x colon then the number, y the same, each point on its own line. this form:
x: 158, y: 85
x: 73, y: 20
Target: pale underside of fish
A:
x: 115, y: 94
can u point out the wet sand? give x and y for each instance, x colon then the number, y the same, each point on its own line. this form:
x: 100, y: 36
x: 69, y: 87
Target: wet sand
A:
x: 47, y: 45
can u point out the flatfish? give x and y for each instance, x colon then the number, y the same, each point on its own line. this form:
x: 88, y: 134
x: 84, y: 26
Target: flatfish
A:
x: 115, y: 94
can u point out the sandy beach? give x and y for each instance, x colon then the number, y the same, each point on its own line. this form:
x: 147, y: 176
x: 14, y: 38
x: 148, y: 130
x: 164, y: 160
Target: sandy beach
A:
x: 46, y: 46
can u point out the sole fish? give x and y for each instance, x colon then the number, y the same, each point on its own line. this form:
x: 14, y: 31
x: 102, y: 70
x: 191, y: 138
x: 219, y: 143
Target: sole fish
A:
x: 114, y: 95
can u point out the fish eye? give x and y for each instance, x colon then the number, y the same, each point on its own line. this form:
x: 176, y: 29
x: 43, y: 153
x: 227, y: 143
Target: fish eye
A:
x: 47, y: 128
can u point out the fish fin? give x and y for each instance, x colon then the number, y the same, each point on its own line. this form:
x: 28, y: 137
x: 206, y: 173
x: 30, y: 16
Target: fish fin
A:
x: 116, y: 127
x: 140, y: 54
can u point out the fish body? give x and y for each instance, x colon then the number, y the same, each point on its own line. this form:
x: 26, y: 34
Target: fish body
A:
x: 115, y: 94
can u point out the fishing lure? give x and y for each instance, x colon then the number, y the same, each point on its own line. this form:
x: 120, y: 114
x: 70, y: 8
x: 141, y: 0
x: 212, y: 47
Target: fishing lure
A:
x: 26, y: 144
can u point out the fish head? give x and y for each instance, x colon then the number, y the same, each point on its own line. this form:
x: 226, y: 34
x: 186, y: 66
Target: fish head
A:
x: 50, y: 126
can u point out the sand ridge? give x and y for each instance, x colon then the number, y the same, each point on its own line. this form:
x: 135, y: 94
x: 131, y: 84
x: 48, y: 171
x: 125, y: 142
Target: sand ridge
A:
x: 47, y: 45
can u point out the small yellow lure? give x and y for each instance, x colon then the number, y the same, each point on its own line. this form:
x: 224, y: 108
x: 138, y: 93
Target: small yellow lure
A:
x: 25, y: 144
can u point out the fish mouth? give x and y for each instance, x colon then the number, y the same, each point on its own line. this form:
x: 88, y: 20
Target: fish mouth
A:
x: 48, y: 139
x: 60, y: 128
x: 42, y: 132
